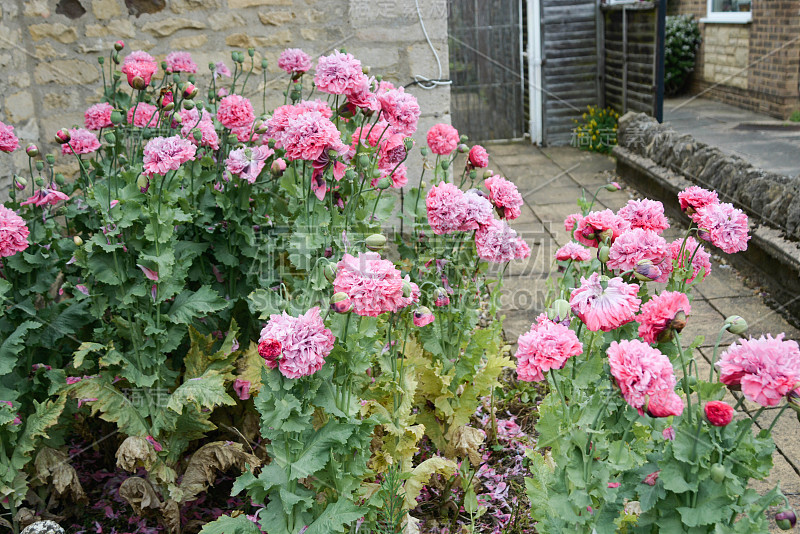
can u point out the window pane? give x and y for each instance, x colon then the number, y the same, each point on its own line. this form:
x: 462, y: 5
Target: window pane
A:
x: 730, y: 6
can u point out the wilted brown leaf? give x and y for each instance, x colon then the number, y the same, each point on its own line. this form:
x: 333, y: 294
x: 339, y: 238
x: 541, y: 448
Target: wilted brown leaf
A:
x: 467, y: 442
x: 135, y: 452
x: 210, y: 458
x: 171, y: 516
x: 140, y: 494
x: 53, y: 466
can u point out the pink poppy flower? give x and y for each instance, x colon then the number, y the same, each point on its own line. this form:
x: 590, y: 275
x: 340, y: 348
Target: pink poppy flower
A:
x: 294, y: 61
x: 664, y: 312
x: 547, y: 345
x: 498, y: 243
x: 13, y: 233
x: 235, y: 111
x: 400, y: 109
x: 82, y: 141
x: 646, y: 214
x: 668, y: 434
x: 766, y: 369
x: 478, y: 157
x: 316, y: 105
x: 443, y: 139
x: 693, y: 198
x: 478, y: 211
x: 642, y: 372
x: 304, y: 342
x: 310, y: 134
x: 604, y: 308
x: 180, y: 62
x: 192, y: 119
x: 139, y: 64
x: 571, y: 221
x: 599, y: 226
x: 726, y: 225
x: 98, y: 116
x: 718, y: 413
x: 504, y: 195
x: 337, y: 73
x: 374, y: 285
x: 635, y: 246
x: 45, y: 197
x: 422, y: 316
x: 221, y: 69
x: 573, y: 251
x: 8, y: 141
x: 247, y: 163
x: 164, y: 154
x: 361, y: 95
x: 446, y: 207
x: 146, y: 115
x: 651, y: 479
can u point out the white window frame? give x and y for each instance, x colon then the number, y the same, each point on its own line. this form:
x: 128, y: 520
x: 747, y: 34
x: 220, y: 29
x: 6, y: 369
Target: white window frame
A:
x: 727, y: 17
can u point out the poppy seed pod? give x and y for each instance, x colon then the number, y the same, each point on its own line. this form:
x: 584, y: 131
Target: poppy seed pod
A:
x: 375, y: 242
x: 736, y: 324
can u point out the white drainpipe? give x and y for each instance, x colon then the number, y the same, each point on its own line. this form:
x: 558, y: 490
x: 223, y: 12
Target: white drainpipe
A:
x: 535, y: 70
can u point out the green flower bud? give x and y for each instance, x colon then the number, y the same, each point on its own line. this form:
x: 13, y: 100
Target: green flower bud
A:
x: 60, y: 180
x: 77, y: 240
x: 473, y: 174
x: 488, y: 173
x: 164, y: 65
x: 138, y: 83
x: 191, y: 78
x: 21, y: 181
x: 142, y: 181
x: 116, y: 117
x: 32, y: 151
x: 379, y: 77
x: 376, y: 173
x: 12, y: 194
x: 408, y: 143
x: 101, y: 60
x: 603, y: 253
x: 736, y: 324
x: 424, y: 151
x: 251, y: 52
x: 197, y: 134
x: 786, y: 519
x: 50, y: 158
x: 264, y: 64
x: 445, y: 164
x: 176, y: 78
x: 115, y: 58
x: 232, y: 139
x: 375, y: 242
x: 39, y: 181
x: 559, y: 310
x: 350, y: 175
x: 718, y: 472
x: 188, y: 104
x: 40, y: 165
x: 363, y: 160
x: 462, y: 148
x: 330, y: 272
x: 464, y: 139
x: 110, y: 137
x: 407, y: 289
x: 211, y: 66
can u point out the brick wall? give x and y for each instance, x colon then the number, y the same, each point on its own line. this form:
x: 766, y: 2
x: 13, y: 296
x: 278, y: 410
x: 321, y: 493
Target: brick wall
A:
x: 49, y: 49
x: 769, y: 84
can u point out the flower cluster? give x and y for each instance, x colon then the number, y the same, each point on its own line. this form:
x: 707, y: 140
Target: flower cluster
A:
x: 13, y: 233
x: 373, y: 285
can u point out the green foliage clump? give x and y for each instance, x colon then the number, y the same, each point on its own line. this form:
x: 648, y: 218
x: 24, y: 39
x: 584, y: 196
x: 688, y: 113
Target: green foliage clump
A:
x: 680, y: 49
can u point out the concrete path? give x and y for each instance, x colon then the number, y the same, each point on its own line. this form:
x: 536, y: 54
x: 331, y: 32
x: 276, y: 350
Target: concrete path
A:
x: 551, y: 179
x: 765, y: 142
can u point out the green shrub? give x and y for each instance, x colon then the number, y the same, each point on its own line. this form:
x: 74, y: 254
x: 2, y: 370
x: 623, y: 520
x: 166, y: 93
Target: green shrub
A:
x: 681, y: 41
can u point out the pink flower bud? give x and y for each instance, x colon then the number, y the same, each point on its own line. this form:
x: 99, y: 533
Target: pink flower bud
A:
x: 62, y: 136
x: 119, y: 45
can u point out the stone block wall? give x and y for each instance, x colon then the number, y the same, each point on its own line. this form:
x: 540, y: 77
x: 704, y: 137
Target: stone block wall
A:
x: 769, y: 61
x: 49, y: 50
x: 725, y: 53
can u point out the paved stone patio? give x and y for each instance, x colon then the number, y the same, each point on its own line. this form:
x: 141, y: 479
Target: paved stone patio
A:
x: 550, y: 180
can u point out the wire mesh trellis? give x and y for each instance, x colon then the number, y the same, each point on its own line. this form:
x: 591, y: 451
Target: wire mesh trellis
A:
x: 487, y: 97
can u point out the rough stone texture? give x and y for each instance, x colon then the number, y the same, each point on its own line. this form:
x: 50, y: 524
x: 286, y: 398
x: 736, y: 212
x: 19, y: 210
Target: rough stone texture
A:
x: 768, y: 198
x: 726, y: 54
x: 48, y: 54
x: 43, y: 527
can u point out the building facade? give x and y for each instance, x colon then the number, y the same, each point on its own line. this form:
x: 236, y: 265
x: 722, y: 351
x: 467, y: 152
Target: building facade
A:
x: 750, y: 54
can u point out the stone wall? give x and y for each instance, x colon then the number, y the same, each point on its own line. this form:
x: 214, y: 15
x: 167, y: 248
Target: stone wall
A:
x: 768, y: 198
x: 49, y: 50
x: 725, y: 52
x: 770, y: 66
